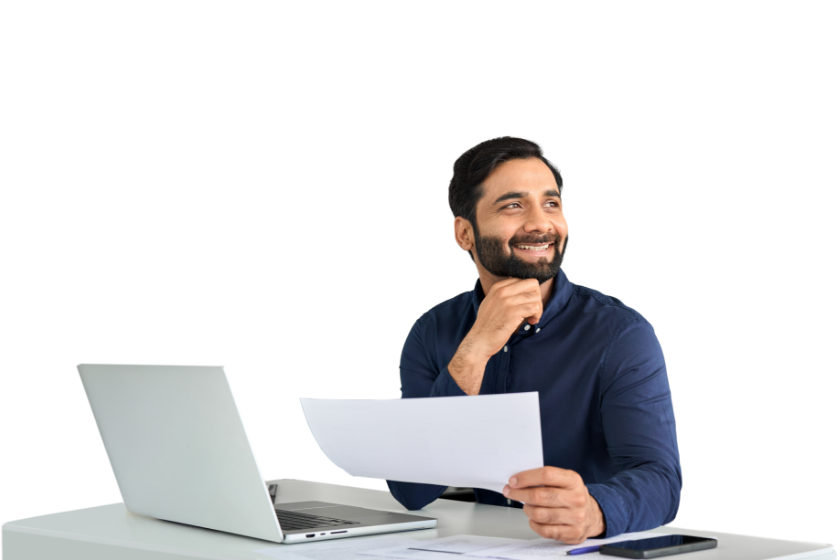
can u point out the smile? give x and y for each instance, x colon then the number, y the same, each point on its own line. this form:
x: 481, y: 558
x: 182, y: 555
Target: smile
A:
x: 533, y: 247
x: 543, y: 250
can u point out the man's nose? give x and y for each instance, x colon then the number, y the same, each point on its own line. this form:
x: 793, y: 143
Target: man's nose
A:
x: 537, y: 220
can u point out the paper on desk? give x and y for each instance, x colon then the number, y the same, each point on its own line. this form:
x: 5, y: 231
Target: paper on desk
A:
x: 471, y: 442
x: 436, y: 549
x: 339, y: 549
x: 541, y: 548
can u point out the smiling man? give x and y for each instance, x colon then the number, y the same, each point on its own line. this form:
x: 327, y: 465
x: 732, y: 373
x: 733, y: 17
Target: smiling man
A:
x: 609, y: 438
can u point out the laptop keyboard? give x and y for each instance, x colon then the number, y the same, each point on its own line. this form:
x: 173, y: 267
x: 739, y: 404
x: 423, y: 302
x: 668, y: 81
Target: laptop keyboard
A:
x: 297, y: 521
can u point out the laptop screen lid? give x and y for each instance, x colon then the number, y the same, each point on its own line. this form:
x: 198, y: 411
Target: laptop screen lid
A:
x: 178, y: 447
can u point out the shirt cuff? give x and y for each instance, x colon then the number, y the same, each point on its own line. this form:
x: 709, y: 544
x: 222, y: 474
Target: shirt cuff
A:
x: 445, y: 386
x: 613, y: 508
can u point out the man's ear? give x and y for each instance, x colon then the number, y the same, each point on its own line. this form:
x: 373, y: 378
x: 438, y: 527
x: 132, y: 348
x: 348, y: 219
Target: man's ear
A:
x: 464, y: 235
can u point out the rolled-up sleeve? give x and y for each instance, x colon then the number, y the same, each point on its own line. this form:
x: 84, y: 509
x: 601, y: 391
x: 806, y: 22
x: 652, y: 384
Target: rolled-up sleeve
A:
x: 640, y: 432
x: 421, y: 378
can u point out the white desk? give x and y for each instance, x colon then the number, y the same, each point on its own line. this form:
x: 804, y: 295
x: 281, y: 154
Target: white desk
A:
x: 111, y: 533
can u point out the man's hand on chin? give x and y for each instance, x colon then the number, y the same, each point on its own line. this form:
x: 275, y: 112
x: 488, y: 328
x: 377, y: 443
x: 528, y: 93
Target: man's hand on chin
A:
x: 557, y: 503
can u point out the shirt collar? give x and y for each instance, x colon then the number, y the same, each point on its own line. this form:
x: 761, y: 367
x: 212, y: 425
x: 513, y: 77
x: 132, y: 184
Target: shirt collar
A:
x: 561, y: 292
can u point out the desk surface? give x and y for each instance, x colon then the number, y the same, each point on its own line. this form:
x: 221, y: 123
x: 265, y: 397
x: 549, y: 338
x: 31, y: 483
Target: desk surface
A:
x: 109, y: 532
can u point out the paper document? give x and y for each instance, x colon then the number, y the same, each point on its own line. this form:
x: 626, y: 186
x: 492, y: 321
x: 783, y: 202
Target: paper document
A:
x: 542, y: 548
x: 339, y: 549
x: 466, y: 546
x: 437, y: 549
x: 471, y: 442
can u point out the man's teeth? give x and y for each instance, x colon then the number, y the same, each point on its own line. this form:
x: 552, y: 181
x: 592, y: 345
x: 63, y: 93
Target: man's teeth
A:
x: 533, y: 247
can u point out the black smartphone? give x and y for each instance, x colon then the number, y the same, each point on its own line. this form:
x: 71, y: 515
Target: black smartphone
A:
x: 656, y: 547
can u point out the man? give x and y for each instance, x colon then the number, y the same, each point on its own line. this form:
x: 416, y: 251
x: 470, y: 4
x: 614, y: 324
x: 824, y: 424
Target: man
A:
x: 609, y: 437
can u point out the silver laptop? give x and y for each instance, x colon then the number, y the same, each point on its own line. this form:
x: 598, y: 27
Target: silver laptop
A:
x: 180, y: 453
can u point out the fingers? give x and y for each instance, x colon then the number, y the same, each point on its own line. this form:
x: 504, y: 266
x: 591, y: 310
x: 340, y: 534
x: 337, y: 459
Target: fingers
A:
x: 522, y: 282
x: 555, y: 515
x: 514, y: 286
x: 503, y: 283
x: 524, y: 296
x: 534, y: 298
x: 546, y: 476
x: 526, y: 285
x: 569, y: 534
x: 546, y: 496
x: 535, y: 318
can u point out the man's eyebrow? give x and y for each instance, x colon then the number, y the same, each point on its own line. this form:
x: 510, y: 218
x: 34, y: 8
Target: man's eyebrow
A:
x: 510, y: 195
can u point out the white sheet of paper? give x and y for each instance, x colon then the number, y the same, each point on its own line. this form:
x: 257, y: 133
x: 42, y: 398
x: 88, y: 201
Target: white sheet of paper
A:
x: 541, y: 548
x: 437, y: 549
x: 338, y: 549
x: 472, y: 442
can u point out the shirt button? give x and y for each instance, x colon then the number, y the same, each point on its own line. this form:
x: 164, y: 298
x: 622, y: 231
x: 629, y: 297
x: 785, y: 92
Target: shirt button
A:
x: 527, y: 327
x: 508, y: 501
x: 505, y: 348
x: 538, y: 330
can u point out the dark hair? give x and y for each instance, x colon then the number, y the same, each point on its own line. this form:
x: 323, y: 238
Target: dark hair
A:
x: 474, y: 165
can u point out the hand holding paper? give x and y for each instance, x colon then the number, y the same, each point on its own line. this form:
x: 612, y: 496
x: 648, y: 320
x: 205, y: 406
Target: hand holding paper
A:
x: 472, y: 442
x: 557, y: 503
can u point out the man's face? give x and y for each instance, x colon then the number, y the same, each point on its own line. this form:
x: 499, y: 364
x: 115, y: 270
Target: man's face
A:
x: 521, y: 229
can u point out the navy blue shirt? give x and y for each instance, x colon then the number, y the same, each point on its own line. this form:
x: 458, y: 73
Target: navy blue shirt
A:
x: 605, y: 403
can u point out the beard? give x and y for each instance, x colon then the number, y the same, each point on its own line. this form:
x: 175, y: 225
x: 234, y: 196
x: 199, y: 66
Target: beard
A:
x: 491, y: 252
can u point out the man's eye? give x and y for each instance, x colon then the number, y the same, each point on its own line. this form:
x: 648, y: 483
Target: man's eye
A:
x: 553, y: 203
x: 511, y: 204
